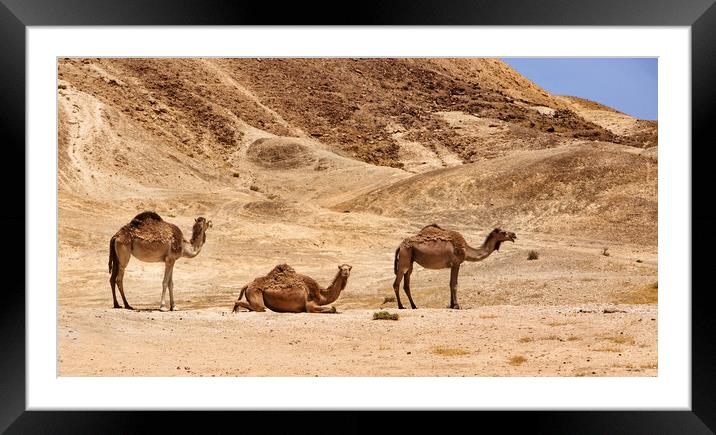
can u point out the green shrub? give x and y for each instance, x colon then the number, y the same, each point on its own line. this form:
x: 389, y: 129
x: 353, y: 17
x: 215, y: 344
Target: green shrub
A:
x: 384, y: 315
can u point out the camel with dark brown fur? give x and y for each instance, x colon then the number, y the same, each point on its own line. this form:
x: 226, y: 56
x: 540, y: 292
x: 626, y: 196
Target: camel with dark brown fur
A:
x: 437, y: 248
x: 150, y: 238
x: 285, y: 291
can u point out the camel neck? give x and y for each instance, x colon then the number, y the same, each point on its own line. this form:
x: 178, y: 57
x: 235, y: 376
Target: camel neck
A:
x: 331, y: 293
x: 482, y: 252
x: 197, y: 240
x: 193, y: 247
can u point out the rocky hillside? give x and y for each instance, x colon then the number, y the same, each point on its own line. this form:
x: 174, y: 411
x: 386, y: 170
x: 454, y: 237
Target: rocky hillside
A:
x: 469, y: 140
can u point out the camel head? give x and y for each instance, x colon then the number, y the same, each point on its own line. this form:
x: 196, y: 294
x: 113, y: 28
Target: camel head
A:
x: 345, y: 270
x: 199, y: 229
x: 500, y: 236
x: 201, y: 224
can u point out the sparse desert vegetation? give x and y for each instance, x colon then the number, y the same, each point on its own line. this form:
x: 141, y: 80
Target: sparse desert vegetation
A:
x: 556, y: 323
x: 517, y: 360
x: 643, y: 294
x: 619, y: 339
x: 448, y: 351
x: 532, y: 255
x: 384, y: 315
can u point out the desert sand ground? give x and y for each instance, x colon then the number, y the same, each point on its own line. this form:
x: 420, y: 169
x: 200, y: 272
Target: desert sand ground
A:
x: 291, y: 198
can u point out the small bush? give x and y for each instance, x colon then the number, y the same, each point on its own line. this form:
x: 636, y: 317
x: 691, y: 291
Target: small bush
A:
x: 449, y: 351
x: 532, y: 255
x: 645, y: 294
x: 254, y: 187
x: 619, y: 339
x: 605, y: 252
x: 387, y: 299
x: 384, y: 315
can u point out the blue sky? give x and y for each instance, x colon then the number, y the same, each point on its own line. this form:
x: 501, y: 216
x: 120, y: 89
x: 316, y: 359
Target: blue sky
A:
x: 626, y: 84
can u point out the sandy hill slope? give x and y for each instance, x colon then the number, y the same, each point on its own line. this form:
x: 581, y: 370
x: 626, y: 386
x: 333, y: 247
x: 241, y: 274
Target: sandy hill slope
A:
x: 592, y: 189
x: 366, y: 108
x: 339, y: 154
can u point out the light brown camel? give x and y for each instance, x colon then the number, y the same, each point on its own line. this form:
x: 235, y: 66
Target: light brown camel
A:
x: 437, y: 248
x: 150, y: 238
x: 285, y: 291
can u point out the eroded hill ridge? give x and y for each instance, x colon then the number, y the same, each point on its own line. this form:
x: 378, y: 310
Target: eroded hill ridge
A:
x: 469, y: 141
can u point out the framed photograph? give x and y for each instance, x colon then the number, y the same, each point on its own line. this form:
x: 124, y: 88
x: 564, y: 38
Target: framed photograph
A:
x: 467, y: 207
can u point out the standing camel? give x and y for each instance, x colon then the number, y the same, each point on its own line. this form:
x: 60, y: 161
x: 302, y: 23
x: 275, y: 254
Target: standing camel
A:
x: 150, y: 238
x: 437, y: 248
x: 285, y: 291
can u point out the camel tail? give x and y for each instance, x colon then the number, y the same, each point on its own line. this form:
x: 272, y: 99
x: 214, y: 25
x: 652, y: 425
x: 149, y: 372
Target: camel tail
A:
x: 241, y: 296
x: 395, y: 261
x: 112, y: 256
x: 243, y: 290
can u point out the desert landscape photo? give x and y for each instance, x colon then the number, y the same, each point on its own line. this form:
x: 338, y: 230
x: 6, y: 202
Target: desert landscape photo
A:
x: 521, y: 224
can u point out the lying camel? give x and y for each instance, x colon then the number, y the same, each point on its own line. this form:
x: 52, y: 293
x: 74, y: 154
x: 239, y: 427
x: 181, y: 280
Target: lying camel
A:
x: 437, y: 248
x: 285, y: 291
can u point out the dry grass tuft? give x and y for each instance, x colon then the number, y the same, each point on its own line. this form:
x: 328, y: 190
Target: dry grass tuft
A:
x: 449, y: 351
x: 558, y: 323
x: 526, y: 340
x: 619, y: 339
x: 488, y: 316
x: 608, y: 349
x: 387, y: 299
x: 517, y: 360
x: 384, y: 315
x: 647, y: 294
x: 532, y: 255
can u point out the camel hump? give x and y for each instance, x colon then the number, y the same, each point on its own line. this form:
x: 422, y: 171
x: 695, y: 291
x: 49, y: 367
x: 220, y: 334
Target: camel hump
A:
x: 282, y: 269
x: 141, y: 217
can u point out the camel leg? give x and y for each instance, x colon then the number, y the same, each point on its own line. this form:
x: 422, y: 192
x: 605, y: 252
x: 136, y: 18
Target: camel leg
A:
x: 242, y: 304
x: 396, y: 288
x: 312, y: 307
x: 453, y: 287
x: 403, y: 265
x: 168, y: 266
x: 172, y: 305
x: 406, y: 286
x: 123, y: 256
x: 112, y: 283
x: 255, y: 301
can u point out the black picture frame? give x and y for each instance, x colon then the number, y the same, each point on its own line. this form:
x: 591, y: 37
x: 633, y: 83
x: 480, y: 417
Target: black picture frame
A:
x: 16, y: 15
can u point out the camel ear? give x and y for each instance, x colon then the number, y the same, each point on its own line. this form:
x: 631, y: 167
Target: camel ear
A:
x: 196, y: 219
